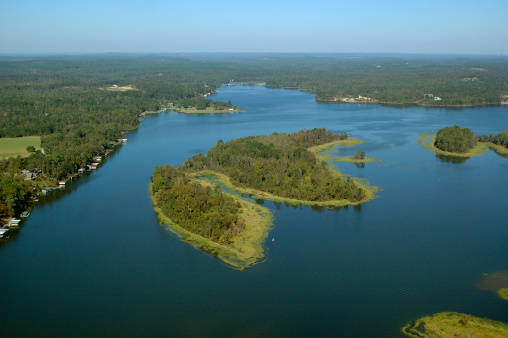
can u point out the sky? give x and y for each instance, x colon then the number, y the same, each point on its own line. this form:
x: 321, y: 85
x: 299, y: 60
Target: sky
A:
x: 317, y: 26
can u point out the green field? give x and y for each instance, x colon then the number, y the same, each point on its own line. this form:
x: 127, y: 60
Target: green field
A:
x: 12, y: 147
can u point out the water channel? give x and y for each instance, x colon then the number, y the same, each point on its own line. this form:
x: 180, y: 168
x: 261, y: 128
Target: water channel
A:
x: 92, y: 260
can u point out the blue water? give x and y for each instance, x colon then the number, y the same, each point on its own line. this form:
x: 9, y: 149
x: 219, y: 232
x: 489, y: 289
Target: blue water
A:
x: 92, y: 260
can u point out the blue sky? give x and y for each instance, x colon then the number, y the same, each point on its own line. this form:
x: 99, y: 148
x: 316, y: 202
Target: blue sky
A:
x: 410, y: 26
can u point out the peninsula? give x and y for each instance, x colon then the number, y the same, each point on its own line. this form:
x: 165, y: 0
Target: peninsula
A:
x: 291, y: 168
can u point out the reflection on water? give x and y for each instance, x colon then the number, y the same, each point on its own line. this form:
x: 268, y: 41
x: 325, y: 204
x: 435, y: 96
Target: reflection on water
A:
x: 360, y: 165
x: 452, y: 159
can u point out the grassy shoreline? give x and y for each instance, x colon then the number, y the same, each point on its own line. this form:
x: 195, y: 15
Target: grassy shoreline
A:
x: 245, y: 249
x: 427, y: 140
x: 452, y: 324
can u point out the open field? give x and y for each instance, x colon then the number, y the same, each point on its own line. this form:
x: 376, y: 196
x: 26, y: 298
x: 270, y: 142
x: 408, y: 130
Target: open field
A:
x: 12, y: 147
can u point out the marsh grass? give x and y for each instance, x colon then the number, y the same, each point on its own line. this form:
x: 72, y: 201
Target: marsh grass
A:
x: 12, y: 147
x: 427, y: 140
x: 498, y: 149
x: 452, y: 324
x: 503, y: 293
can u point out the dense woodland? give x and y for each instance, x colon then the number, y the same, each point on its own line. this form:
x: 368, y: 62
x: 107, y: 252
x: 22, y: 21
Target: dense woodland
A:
x: 281, y: 165
x: 66, y: 99
x: 455, y: 139
x: 202, y: 210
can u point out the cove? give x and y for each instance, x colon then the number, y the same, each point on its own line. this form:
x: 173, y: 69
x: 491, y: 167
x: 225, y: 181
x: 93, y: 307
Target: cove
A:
x: 92, y: 260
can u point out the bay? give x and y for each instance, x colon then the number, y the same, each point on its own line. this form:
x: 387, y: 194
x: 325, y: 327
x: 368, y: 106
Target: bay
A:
x: 92, y: 260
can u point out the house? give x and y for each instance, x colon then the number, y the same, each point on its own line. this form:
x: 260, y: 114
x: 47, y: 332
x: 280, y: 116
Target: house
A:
x: 122, y: 140
x: 437, y: 98
x: 25, y: 214
x: 61, y: 183
x: 29, y: 175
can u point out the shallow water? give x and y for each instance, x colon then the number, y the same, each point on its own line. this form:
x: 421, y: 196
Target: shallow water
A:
x: 93, y: 260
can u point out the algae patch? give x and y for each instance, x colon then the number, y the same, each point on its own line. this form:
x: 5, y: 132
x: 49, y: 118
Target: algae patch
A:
x: 453, y: 324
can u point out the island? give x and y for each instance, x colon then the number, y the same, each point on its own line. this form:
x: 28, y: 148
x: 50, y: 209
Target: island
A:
x: 462, y: 143
x: 453, y: 141
x: 201, y: 199
x: 452, y: 324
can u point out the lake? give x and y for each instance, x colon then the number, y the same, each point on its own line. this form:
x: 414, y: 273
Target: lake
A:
x: 92, y: 259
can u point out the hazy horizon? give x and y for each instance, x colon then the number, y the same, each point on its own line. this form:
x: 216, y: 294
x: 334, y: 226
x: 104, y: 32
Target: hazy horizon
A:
x: 321, y: 26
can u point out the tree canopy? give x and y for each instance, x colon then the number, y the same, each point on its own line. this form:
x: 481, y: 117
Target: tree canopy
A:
x: 455, y: 139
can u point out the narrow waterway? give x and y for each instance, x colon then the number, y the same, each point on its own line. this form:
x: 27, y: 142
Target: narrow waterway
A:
x: 92, y: 260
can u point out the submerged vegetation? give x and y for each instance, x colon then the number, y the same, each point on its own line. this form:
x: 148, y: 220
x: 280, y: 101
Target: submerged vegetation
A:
x: 496, y: 282
x: 452, y: 324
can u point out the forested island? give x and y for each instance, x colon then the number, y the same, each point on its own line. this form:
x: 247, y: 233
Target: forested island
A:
x: 277, y: 167
x: 80, y: 105
x: 462, y: 142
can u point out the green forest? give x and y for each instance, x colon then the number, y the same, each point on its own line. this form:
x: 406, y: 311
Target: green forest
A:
x: 68, y: 101
x: 202, y: 210
x: 281, y: 165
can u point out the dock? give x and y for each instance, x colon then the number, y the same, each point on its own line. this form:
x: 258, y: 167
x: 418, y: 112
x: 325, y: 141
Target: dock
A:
x: 4, y: 233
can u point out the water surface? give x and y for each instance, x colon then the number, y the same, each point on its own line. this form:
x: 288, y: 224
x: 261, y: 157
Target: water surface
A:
x: 93, y: 261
